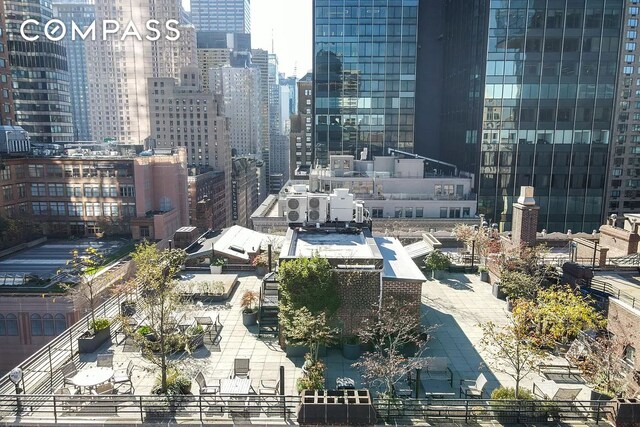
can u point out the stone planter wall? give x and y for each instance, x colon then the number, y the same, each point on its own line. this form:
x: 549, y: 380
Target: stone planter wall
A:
x: 91, y: 344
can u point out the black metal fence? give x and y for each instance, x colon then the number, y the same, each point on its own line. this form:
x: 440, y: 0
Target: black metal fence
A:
x: 132, y: 409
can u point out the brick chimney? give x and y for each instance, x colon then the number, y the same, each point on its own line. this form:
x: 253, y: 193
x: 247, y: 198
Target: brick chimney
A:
x: 525, y: 218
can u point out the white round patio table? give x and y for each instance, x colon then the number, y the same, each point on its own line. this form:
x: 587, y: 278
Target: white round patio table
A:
x: 92, y: 377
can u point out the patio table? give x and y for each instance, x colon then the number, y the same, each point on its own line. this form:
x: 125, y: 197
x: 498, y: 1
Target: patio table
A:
x: 92, y: 377
x: 238, y: 386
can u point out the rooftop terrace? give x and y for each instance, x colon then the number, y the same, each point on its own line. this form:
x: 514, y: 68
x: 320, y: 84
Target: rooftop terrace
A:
x: 456, y: 304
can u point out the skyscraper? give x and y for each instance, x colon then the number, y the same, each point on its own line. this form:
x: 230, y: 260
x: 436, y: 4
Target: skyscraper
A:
x: 229, y: 16
x: 623, y: 183
x: 7, y: 110
x: 117, y: 69
x: 82, y: 12
x: 364, y: 69
x: 239, y: 88
x: 300, y: 144
x: 528, y: 97
x: 40, y: 74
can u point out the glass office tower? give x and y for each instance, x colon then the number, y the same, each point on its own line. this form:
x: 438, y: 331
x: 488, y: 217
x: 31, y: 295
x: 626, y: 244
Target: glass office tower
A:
x: 549, y: 84
x: 364, y: 76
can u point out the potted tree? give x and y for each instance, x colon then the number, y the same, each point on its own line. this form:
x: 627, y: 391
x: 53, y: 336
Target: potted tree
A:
x: 249, y: 310
x: 216, y: 265
x: 436, y: 261
x: 261, y: 263
x: 484, y: 273
x: 99, y: 332
x: 351, y: 347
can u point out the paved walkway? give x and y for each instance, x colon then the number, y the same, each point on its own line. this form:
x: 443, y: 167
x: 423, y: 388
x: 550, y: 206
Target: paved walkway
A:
x: 457, y: 304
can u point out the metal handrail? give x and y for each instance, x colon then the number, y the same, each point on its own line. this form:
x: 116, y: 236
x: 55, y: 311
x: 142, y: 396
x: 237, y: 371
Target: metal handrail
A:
x: 611, y: 291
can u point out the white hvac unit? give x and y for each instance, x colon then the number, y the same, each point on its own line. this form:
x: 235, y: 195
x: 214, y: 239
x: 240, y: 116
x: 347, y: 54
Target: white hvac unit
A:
x: 317, y: 212
x: 341, y: 205
x: 359, y: 213
x: 296, y: 209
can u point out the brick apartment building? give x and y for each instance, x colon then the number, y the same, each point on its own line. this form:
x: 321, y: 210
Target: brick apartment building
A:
x: 89, y: 195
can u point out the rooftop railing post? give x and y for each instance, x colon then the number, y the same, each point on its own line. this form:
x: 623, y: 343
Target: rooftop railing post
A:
x: 284, y: 400
x: 55, y: 412
x: 50, y: 368
x: 466, y: 411
x: 71, y: 343
x: 141, y: 410
x: 200, y: 400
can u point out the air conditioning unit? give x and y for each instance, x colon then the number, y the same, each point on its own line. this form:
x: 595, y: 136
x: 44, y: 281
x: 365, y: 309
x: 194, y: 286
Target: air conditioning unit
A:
x: 317, y: 205
x: 359, y: 213
x: 296, y: 209
x: 341, y: 205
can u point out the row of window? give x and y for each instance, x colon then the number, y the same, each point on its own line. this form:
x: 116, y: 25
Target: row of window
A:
x: 45, y: 325
x: 67, y: 171
x: 87, y: 209
x: 76, y: 190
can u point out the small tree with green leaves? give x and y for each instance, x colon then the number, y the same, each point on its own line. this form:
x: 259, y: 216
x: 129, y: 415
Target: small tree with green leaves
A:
x: 437, y: 261
x: 389, y: 331
x: 310, y: 330
x: 84, y: 266
x: 510, y: 350
x: 558, y: 314
x: 519, y: 285
x: 155, y: 271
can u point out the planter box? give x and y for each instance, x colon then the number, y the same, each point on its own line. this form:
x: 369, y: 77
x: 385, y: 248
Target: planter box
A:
x: 91, y: 344
x: 215, y: 269
x: 484, y: 276
x: 342, y: 407
x: 351, y: 351
x: 497, y: 291
x: 196, y: 341
x: 294, y: 350
x: 249, y: 319
x: 626, y: 412
x: 261, y: 271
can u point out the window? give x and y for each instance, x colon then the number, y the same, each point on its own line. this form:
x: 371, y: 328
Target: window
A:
x: 5, y: 174
x: 74, y: 190
x: 38, y: 190
x: 443, y: 212
x: 398, y: 213
x: 39, y: 208
x: 627, y: 70
x: 109, y: 191
x: 36, y: 171
x: 466, y: 212
x: 36, y: 325
x: 7, y: 192
x: 127, y: 191
x: 419, y: 212
x: 91, y: 191
x: 93, y: 209
x: 56, y: 190
x: 48, y: 327
x: 8, y: 325
x: 60, y: 323
x: 629, y: 355
x: 377, y: 213
x: 454, y: 213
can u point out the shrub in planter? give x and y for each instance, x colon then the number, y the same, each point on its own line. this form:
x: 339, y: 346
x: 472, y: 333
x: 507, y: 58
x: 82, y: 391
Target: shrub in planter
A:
x: 195, y: 335
x: 177, y: 383
x: 313, y: 375
x: 507, y: 411
x: 99, y: 332
x: 261, y: 263
x: 216, y: 265
x: 351, y: 347
x: 248, y: 303
x: 436, y: 261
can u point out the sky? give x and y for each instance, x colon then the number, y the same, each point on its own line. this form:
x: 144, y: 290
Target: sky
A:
x: 289, y: 21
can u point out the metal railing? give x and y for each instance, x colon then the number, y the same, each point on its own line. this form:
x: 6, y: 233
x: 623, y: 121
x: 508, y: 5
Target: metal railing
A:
x: 612, y: 291
x: 40, y: 371
x: 134, y: 409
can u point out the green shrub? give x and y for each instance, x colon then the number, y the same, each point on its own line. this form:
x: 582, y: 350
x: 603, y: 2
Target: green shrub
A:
x: 217, y: 261
x: 143, y: 330
x: 100, y: 324
x: 177, y: 383
x: 313, y: 378
x: 437, y: 261
x: 509, y: 393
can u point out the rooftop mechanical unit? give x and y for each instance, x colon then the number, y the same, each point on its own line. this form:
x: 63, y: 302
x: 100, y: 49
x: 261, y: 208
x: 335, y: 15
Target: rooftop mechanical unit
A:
x: 317, y: 208
x: 296, y: 209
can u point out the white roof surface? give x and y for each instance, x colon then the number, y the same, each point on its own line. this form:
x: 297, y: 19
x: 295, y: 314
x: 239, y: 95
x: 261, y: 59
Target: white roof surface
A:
x: 332, y: 245
x: 398, y: 264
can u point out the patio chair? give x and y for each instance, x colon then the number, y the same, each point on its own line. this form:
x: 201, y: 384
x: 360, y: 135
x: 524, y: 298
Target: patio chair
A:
x: 68, y: 372
x: 64, y: 398
x: 123, y: 376
x: 106, y: 388
x: 473, y: 389
x: 204, y: 387
x: 217, y: 324
x: 269, y: 387
x: 241, y: 368
x: 104, y: 360
x: 561, y: 394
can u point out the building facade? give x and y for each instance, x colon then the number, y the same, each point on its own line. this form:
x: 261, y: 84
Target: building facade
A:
x: 534, y: 107
x: 301, y: 135
x: 82, y: 12
x: 244, y: 190
x: 117, y: 70
x: 207, y: 207
x: 239, y: 88
x: 7, y: 109
x: 40, y: 74
x: 364, y: 70
x: 88, y: 195
x: 229, y: 16
x: 183, y: 115
x: 623, y: 180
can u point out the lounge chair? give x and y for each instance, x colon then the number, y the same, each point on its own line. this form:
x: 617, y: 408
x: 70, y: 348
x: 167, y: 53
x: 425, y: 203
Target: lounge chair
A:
x: 473, y: 389
x: 206, y: 388
x: 241, y: 368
